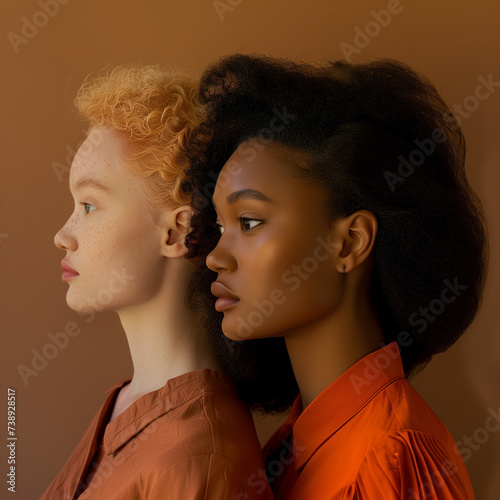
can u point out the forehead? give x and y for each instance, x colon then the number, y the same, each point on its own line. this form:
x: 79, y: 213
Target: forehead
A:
x: 99, y: 155
x: 274, y: 171
x: 263, y: 167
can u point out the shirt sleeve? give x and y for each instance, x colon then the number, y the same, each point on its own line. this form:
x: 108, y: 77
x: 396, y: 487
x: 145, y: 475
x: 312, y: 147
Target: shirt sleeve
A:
x: 410, y: 465
x: 207, y: 477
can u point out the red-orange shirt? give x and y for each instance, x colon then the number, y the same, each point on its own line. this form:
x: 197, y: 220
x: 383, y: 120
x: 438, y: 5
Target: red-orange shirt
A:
x: 369, y: 435
x: 191, y: 439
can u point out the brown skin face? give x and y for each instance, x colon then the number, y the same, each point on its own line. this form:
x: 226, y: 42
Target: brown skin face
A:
x: 280, y: 263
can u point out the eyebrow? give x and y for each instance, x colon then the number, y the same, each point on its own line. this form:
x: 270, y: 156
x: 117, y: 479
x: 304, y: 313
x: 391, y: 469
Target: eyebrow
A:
x: 92, y: 183
x: 247, y: 194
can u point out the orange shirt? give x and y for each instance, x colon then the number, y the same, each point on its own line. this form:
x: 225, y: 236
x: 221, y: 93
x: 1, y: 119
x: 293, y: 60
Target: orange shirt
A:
x: 191, y: 439
x: 369, y: 435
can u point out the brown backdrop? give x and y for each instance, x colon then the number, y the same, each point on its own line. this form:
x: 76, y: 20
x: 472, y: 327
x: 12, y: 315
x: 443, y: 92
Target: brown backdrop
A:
x: 45, y: 56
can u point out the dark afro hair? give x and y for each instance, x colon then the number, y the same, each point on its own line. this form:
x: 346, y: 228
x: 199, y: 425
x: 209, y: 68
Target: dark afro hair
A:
x: 378, y: 137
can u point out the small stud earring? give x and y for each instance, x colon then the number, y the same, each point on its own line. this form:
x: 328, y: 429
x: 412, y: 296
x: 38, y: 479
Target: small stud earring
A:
x: 344, y: 269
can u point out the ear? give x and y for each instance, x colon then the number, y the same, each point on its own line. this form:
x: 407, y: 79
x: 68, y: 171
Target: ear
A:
x: 357, y: 235
x: 174, y: 229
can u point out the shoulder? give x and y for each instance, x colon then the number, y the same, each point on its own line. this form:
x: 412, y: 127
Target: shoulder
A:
x: 405, y: 410
x: 413, y: 465
x: 210, y: 476
x: 205, y: 448
x: 231, y: 427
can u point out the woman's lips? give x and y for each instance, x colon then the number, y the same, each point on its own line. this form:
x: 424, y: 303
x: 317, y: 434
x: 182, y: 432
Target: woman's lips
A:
x: 226, y: 299
x: 68, y: 272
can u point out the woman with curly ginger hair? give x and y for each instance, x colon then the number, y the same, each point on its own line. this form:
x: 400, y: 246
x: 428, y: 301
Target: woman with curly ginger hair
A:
x: 347, y: 226
x: 177, y: 429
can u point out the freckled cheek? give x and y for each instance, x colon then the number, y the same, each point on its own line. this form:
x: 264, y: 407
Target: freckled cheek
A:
x: 114, y: 246
x: 100, y: 246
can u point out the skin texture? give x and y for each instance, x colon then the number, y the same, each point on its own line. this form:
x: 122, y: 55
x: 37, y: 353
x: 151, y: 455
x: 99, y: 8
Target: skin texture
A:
x: 280, y: 263
x: 109, y: 233
x: 127, y: 264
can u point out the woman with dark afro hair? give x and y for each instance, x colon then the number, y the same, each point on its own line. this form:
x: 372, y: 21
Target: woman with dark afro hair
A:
x: 335, y: 210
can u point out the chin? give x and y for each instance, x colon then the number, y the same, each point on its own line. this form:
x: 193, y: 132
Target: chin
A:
x: 234, y: 331
x: 235, y: 337
x: 245, y: 332
x: 83, y: 306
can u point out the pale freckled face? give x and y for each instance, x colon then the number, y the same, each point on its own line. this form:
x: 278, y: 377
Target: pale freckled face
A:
x: 109, y: 238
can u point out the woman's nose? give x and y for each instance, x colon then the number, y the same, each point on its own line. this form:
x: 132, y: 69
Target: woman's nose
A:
x: 221, y: 259
x: 65, y: 238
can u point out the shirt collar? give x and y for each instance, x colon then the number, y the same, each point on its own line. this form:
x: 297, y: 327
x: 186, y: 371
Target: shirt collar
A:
x: 342, y: 399
x: 155, y: 404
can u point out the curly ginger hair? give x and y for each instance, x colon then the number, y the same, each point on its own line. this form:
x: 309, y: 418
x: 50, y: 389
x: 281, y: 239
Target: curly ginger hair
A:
x: 156, y: 109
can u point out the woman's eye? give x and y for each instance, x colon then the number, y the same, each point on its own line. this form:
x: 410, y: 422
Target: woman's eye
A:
x: 88, y: 207
x: 247, y: 224
x: 219, y: 227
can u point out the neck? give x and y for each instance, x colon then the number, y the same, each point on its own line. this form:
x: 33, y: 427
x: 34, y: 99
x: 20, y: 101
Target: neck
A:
x: 322, y: 351
x: 163, y: 336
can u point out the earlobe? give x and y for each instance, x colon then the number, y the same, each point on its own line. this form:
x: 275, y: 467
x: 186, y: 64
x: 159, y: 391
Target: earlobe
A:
x: 359, y: 232
x: 175, y: 223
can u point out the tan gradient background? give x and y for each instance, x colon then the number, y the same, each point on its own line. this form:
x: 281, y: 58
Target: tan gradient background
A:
x: 452, y: 42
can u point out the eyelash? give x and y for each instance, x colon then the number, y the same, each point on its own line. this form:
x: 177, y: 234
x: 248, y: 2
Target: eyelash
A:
x: 243, y: 221
x: 85, y: 205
